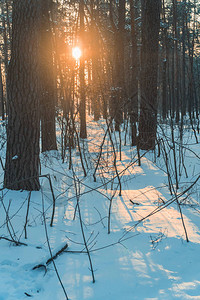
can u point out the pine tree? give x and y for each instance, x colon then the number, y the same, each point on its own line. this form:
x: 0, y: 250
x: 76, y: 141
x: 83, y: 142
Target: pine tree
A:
x: 23, y: 129
x: 149, y: 74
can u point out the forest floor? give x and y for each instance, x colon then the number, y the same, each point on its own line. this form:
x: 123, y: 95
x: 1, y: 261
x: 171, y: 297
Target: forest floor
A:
x: 145, y: 255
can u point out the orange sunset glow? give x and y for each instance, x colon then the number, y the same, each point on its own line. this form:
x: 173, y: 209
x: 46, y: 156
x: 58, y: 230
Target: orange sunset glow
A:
x: 76, y: 53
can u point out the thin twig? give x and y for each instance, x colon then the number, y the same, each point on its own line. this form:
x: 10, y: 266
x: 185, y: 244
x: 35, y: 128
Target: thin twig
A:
x: 81, y: 224
x: 27, y: 212
x: 48, y: 243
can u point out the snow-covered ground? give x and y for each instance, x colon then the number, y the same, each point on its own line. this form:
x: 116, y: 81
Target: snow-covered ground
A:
x: 145, y: 255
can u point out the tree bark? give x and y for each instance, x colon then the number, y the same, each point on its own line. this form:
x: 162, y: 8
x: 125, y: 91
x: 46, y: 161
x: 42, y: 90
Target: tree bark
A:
x: 47, y: 77
x: 164, y: 64
x: 2, y: 95
x: 22, y: 155
x: 83, y: 127
x: 134, y: 74
x: 149, y: 73
x: 119, y: 66
x: 95, y: 64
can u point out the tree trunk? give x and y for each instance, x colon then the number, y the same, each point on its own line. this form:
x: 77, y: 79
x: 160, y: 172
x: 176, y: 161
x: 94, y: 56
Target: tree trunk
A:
x: 149, y: 64
x: 164, y: 64
x: 2, y: 95
x: 183, y: 102
x: 134, y: 81
x: 22, y: 155
x: 83, y: 128
x: 47, y: 77
x: 95, y: 64
x: 119, y: 66
x: 176, y: 66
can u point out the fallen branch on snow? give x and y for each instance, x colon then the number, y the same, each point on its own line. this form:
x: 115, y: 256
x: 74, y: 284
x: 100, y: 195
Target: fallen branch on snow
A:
x: 43, y: 265
x: 17, y: 243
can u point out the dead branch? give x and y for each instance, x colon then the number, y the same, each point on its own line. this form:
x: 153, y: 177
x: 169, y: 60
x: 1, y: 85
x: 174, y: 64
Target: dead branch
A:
x: 17, y: 243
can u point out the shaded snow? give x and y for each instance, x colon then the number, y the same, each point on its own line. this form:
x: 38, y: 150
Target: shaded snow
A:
x: 149, y: 260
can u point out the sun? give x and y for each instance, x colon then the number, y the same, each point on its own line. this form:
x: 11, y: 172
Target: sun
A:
x: 76, y: 53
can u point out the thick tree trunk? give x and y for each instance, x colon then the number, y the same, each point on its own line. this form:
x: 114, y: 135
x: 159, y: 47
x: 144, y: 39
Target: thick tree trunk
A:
x: 22, y: 156
x: 119, y: 66
x: 149, y: 61
x: 47, y: 77
x: 133, y: 111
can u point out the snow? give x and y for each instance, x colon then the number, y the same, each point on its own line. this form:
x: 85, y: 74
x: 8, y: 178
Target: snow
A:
x: 15, y: 157
x: 141, y: 258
